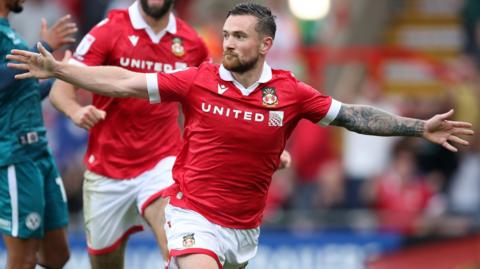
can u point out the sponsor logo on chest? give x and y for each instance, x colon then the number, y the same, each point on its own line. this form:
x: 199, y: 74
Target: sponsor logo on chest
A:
x: 273, y: 118
x: 145, y: 65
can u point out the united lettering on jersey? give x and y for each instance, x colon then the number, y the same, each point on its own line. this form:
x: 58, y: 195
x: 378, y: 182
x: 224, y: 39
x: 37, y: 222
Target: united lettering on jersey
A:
x: 135, y: 134
x: 151, y: 66
x: 233, y: 113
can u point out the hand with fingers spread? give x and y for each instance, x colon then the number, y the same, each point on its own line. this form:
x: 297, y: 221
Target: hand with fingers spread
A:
x: 38, y: 65
x: 61, y: 33
x: 442, y: 131
x: 86, y: 117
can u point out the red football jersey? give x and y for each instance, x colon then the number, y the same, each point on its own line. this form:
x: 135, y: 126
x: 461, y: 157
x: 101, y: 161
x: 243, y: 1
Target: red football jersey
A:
x: 136, y: 135
x: 234, y: 136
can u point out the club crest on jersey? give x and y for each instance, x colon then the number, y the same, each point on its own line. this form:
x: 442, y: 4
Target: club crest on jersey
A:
x: 269, y: 97
x: 177, y: 47
x: 189, y: 240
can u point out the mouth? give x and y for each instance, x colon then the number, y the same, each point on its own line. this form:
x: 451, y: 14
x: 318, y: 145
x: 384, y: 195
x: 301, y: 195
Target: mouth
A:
x: 230, y: 55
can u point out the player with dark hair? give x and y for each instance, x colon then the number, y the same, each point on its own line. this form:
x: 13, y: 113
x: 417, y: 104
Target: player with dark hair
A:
x: 33, y: 205
x: 238, y: 117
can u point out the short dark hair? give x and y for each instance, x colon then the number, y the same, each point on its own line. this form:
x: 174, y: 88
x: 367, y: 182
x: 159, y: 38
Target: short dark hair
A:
x: 266, y: 20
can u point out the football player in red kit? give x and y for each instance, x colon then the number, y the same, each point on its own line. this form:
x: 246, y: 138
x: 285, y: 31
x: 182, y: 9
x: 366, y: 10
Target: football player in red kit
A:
x: 132, y: 145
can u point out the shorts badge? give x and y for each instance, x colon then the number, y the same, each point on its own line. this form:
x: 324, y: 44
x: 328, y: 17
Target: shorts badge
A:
x: 189, y: 240
x: 269, y: 97
x: 177, y: 47
x: 32, y: 221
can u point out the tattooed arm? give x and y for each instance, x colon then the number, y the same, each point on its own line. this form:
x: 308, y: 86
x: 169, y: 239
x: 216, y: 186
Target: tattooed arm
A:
x: 373, y: 121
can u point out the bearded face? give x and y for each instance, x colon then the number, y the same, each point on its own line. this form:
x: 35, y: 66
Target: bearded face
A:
x: 234, y: 63
x: 156, y: 8
x: 241, y: 43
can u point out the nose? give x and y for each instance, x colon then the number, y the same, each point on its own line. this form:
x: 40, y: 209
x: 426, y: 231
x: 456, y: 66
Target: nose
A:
x: 228, y: 43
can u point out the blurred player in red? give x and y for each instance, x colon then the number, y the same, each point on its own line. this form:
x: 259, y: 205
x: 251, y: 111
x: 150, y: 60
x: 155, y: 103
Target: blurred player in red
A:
x: 132, y: 145
x: 238, y: 116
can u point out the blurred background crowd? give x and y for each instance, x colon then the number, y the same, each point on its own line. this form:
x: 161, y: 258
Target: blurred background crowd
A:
x: 410, y: 57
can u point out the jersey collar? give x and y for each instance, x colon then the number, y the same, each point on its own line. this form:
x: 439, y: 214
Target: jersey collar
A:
x: 139, y: 23
x: 265, y: 77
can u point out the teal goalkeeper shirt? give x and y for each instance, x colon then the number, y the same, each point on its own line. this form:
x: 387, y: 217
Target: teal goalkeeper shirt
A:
x: 20, y: 108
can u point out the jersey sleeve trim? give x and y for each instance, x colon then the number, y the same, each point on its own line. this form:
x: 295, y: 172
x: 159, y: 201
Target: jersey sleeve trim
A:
x: 152, y: 87
x: 332, y: 113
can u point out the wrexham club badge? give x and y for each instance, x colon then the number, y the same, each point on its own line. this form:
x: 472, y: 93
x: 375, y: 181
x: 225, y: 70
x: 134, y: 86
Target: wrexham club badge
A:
x: 177, y: 47
x: 269, y: 97
x: 189, y: 240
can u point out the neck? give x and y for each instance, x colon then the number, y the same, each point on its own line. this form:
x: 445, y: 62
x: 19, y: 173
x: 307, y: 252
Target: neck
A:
x: 157, y: 25
x: 251, y: 76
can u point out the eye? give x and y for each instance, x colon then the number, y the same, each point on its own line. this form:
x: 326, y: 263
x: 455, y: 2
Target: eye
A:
x: 240, y: 36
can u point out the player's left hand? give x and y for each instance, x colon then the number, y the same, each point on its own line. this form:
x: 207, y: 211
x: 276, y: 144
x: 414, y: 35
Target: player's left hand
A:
x: 61, y: 33
x: 38, y: 65
x: 441, y: 131
x: 285, y: 160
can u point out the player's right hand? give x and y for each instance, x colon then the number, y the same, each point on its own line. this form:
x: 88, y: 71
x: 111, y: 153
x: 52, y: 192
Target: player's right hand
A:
x: 37, y: 65
x: 61, y: 33
x: 87, y: 116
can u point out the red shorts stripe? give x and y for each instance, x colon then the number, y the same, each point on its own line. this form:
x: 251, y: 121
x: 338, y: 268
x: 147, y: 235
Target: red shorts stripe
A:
x: 117, y: 243
x: 150, y: 200
x: 176, y: 253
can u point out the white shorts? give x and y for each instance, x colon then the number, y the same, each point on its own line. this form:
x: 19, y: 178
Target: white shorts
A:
x: 113, y: 208
x: 189, y: 232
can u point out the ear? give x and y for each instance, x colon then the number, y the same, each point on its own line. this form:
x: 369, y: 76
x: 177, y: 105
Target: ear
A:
x: 266, y: 44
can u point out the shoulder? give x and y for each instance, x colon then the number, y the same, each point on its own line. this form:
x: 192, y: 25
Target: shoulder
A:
x: 10, y: 40
x: 204, y: 73
x: 284, y: 77
x: 115, y: 21
x: 7, y: 35
x: 187, y: 32
x: 208, y: 67
x: 108, y: 29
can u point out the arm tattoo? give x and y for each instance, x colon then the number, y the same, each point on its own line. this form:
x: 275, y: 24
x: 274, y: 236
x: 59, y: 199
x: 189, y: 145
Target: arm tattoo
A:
x: 372, y: 121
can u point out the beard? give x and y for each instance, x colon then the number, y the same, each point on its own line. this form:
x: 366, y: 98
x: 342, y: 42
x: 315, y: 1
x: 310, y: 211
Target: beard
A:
x: 232, y: 63
x: 156, y: 12
x: 15, y: 6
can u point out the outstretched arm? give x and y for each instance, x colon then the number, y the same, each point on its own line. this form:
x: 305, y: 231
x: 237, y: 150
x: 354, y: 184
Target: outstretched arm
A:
x: 372, y: 121
x: 104, y: 80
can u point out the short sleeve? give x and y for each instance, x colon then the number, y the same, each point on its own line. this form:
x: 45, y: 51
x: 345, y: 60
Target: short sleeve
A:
x: 316, y: 107
x: 95, y: 46
x: 168, y: 87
